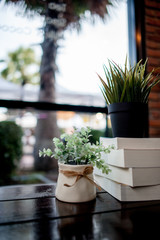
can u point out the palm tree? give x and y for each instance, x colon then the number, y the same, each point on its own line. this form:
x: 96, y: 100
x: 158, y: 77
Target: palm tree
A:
x: 59, y: 16
x: 18, y: 67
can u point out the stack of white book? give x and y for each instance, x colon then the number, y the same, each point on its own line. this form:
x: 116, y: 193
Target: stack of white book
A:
x: 135, y: 169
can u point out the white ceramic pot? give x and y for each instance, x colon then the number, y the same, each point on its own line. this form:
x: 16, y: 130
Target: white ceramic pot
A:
x: 73, y: 184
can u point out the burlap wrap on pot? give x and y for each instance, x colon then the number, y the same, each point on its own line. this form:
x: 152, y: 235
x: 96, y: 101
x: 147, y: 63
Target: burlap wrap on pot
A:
x: 75, y: 183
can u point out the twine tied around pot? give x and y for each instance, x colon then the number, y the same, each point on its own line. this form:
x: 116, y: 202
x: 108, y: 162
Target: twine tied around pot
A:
x: 87, y: 170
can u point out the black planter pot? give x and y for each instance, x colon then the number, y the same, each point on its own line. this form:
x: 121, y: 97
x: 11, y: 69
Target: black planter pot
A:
x: 129, y: 119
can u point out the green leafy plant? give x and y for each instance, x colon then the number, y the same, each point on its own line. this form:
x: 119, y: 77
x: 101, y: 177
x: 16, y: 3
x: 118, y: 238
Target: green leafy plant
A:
x: 128, y: 85
x: 10, y: 149
x: 76, y: 149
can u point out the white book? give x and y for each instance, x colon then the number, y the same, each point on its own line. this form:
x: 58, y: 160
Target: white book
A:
x: 132, y: 176
x: 125, y: 193
x: 127, y: 158
x: 132, y: 143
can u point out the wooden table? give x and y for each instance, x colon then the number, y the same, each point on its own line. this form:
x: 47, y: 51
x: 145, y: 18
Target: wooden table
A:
x: 32, y: 212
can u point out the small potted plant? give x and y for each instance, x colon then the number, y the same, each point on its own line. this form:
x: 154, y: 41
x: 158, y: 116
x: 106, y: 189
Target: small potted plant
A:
x: 76, y: 158
x: 126, y: 93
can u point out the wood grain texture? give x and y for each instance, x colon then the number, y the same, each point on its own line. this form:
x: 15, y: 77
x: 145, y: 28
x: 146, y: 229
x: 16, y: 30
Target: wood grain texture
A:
x: 136, y: 223
x: 27, y: 192
x: 44, y: 217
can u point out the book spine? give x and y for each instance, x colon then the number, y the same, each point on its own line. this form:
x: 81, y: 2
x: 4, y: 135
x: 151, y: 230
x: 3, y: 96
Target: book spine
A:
x: 132, y: 176
x: 127, y: 158
x: 132, y: 143
x: 125, y: 193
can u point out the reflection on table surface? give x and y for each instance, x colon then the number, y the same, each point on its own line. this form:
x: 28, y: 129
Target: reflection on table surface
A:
x: 32, y: 212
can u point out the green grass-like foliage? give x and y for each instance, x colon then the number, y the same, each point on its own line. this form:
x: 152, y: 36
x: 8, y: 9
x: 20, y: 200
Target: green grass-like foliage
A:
x: 128, y: 85
x: 76, y: 149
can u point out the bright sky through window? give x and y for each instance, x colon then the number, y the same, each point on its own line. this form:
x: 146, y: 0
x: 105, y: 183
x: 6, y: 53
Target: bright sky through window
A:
x: 81, y: 54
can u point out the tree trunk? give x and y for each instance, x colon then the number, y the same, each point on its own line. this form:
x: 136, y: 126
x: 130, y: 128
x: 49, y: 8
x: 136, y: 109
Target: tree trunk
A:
x: 47, y: 120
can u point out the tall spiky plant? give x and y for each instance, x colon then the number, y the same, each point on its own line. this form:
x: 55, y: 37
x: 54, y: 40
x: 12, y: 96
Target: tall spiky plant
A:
x: 128, y: 85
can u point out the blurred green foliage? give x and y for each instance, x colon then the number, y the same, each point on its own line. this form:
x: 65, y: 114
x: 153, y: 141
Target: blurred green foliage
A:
x: 10, y: 149
x: 96, y: 134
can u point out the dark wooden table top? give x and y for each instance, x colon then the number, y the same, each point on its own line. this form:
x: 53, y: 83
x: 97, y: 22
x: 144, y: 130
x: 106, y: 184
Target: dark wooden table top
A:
x: 32, y: 212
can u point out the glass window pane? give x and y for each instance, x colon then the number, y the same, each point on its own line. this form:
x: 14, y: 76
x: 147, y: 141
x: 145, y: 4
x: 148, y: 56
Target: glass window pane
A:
x: 83, y: 54
x: 39, y: 128
x: 79, y: 57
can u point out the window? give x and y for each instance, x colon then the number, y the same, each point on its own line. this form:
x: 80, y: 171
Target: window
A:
x: 79, y: 57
